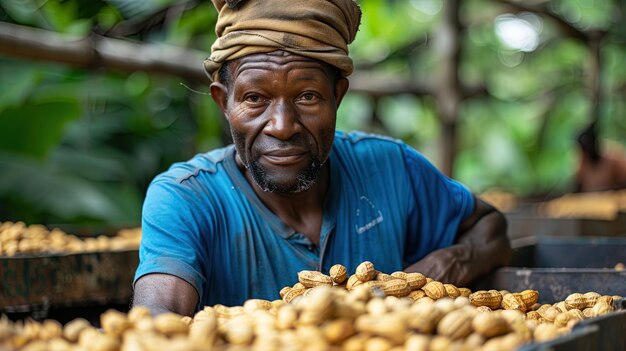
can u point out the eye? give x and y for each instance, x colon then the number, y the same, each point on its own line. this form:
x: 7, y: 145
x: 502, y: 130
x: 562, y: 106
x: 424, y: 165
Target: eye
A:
x: 253, y: 98
x: 308, y: 97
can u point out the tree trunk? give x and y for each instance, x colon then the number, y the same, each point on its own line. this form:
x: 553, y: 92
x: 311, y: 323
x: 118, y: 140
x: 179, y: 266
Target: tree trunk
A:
x: 449, y: 93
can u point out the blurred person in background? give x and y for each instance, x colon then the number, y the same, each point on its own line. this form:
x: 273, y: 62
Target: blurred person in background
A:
x: 600, y: 167
x: 292, y: 193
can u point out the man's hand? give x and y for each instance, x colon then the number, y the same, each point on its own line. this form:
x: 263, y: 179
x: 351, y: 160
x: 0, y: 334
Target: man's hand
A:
x: 165, y: 293
x: 481, y: 246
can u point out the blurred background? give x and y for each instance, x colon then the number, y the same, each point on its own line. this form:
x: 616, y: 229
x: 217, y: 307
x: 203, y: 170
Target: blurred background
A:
x: 99, y: 96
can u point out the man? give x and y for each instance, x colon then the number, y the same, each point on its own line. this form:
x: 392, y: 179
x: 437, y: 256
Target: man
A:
x: 599, y: 169
x: 291, y: 193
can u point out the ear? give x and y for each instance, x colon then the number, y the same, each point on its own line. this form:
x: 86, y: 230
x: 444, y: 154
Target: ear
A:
x: 219, y: 93
x: 341, y: 87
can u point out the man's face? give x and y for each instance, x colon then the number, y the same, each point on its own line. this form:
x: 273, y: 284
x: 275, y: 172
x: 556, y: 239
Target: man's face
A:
x: 282, y: 111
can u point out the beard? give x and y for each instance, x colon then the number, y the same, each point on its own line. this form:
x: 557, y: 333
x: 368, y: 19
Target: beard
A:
x: 272, y: 180
x: 304, y: 179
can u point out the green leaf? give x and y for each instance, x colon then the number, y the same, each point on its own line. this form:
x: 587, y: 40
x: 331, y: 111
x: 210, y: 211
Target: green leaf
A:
x: 34, y: 129
x: 19, y: 81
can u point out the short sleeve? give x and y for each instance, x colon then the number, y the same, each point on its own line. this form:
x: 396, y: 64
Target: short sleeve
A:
x: 438, y: 205
x: 171, y: 242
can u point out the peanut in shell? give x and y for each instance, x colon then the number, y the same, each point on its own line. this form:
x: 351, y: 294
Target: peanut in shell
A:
x: 512, y: 302
x: 396, y: 287
x: 170, y: 324
x: 489, y: 298
x: 576, y: 300
x: 338, y: 273
x: 416, y: 280
x: 452, y: 291
x: 311, y: 279
x: 435, y: 290
x: 489, y: 325
x: 455, y: 325
x: 530, y: 297
x: 365, y: 271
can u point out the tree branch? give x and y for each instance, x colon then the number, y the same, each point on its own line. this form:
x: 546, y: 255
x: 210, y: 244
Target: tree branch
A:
x: 117, y: 54
x: 382, y: 85
x: 402, y: 52
x: 97, y: 51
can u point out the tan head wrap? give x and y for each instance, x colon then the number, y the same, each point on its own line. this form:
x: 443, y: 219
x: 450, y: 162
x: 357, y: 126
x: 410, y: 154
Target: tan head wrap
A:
x: 318, y: 29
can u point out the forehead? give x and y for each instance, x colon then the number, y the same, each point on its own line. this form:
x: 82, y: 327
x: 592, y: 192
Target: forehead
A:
x: 278, y: 63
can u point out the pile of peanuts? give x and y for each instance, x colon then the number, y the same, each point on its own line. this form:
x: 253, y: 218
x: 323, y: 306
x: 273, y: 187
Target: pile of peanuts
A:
x: 368, y: 311
x: 18, y: 238
x: 603, y: 205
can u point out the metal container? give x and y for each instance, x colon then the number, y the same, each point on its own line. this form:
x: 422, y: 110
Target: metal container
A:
x: 611, y: 330
x: 557, y: 267
x: 580, y: 339
x: 521, y: 224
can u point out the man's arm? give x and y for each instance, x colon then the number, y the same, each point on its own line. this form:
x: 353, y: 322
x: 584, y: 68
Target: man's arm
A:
x: 165, y: 293
x: 481, y: 246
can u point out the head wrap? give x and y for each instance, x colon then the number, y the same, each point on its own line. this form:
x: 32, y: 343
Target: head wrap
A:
x: 318, y: 29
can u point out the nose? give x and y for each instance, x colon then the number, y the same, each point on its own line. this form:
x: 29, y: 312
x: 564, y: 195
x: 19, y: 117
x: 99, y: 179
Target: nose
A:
x: 284, y: 121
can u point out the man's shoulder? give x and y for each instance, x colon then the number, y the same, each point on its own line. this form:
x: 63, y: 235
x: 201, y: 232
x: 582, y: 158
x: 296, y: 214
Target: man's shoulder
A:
x: 358, y: 141
x: 205, y: 164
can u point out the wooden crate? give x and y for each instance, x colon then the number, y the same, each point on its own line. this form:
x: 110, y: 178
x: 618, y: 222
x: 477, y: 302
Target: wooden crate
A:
x: 43, y: 281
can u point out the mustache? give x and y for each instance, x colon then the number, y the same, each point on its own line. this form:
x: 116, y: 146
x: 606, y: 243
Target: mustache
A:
x: 297, y: 141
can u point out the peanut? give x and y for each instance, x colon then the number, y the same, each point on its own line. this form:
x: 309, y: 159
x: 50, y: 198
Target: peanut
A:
x: 465, y: 292
x: 239, y: 331
x: 311, y: 279
x: 606, y: 299
x: 256, y: 304
x: 72, y: 330
x: 416, y: 280
x: 423, y: 318
x: 545, y: 332
x: 561, y: 306
x: 483, y: 309
x: 600, y: 308
x: 292, y: 294
x: 417, y: 294
x: 114, y: 322
x: 576, y: 300
x: 452, y: 291
x: 491, y: 298
x: 338, y: 273
x: 435, y: 290
x: 590, y: 299
x: 396, y: 287
x: 489, y: 325
x: 549, y: 314
x: 353, y: 281
x: 170, y: 324
x: 576, y: 314
x: 530, y: 297
x: 284, y: 291
x: 455, y: 325
x: 138, y: 313
x: 417, y: 342
x: 389, y: 326
x: 533, y: 315
x: 365, y: 271
x: 338, y: 330
x: 383, y: 277
x: 562, y: 319
x: 513, y: 302
x: 399, y: 274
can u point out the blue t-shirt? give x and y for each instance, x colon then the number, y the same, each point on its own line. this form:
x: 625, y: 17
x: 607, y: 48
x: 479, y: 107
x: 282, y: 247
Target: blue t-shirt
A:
x: 386, y: 204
